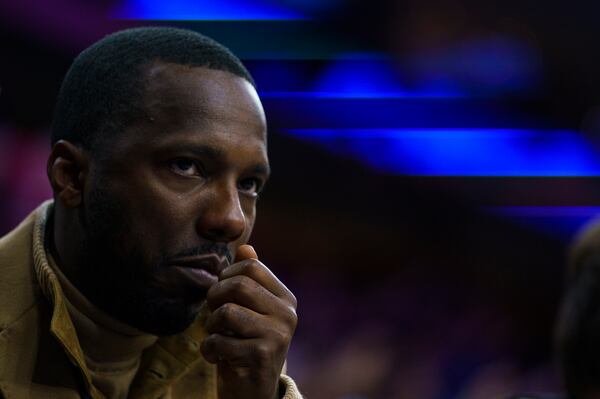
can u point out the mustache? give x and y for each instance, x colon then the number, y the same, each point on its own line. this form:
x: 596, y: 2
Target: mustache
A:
x: 218, y: 248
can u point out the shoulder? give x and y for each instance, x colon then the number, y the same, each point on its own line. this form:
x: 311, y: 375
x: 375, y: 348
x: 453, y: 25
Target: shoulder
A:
x: 21, y: 305
x: 19, y: 289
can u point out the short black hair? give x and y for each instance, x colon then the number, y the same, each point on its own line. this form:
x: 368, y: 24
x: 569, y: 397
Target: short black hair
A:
x: 102, y: 91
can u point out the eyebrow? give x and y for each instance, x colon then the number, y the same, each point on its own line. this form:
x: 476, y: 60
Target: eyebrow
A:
x: 261, y: 169
x: 201, y: 150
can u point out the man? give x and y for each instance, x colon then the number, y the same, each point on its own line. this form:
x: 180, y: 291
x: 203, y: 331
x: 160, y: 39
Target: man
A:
x: 578, y: 327
x: 136, y: 281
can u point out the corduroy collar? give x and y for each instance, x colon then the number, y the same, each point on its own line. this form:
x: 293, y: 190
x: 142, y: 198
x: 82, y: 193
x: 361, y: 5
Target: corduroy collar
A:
x: 162, y: 364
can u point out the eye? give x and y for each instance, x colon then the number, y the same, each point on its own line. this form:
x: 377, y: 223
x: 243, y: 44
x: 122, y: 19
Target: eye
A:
x: 250, y: 186
x: 185, y: 167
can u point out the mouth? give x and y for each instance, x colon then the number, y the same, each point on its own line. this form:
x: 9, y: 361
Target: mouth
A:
x: 201, y: 271
x: 212, y: 263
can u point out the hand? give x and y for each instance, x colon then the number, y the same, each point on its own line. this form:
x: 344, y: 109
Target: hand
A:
x: 252, y: 320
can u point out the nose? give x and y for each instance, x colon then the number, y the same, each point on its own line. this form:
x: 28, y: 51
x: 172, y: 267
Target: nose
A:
x: 222, y: 218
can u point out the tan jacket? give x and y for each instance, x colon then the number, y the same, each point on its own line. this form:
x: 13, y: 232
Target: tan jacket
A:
x: 40, y: 354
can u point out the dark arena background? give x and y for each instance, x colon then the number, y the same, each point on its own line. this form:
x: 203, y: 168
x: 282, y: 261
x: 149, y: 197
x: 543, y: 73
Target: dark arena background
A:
x: 432, y: 161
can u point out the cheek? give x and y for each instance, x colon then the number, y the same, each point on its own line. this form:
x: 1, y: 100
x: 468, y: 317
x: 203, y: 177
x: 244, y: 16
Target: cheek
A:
x: 249, y: 209
x: 160, y: 223
x: 164, y: 222
x: 250, y: 215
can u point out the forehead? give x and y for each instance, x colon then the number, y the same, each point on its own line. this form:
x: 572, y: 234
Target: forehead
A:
x: 200, y: 92
x: 199, y: 104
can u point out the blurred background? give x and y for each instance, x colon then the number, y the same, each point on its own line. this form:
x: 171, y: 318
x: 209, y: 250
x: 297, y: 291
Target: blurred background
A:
x: 432, y: 160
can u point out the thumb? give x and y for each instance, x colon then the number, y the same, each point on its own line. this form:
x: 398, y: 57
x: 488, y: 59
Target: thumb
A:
x: 245, y: 252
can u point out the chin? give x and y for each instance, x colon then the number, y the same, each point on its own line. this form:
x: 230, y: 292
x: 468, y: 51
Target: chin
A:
x: 149, y: 311
x: 164, y: 317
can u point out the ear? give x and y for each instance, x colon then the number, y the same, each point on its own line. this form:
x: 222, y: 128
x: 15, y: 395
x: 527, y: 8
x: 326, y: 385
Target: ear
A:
x: 67, y: 170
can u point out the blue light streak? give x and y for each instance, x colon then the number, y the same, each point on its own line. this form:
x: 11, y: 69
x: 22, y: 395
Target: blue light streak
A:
x: 193, y: 10
x: 371, y: 76
x: 462, y: 152
x: 356, y: 95
x: 495, y: 65
x: 349, y: 76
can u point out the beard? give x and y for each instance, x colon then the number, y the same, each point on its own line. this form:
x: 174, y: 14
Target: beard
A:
x: 119, y: 280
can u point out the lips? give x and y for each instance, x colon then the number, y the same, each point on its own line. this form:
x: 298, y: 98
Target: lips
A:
x: 212, y: 263
x: 199, y: 271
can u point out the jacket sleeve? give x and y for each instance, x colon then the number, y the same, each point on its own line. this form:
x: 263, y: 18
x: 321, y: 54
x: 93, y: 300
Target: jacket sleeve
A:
x: 288, y: 388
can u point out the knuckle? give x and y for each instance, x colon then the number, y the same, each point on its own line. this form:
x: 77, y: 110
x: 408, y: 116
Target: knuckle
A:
x: 262, y: 352
x: 292, y: 319
x: 281, y: 339
x: 253, y: 267
x: 293, y: 301
x: 212, y: 293
x: 226, y: 311
x: 239, y: 283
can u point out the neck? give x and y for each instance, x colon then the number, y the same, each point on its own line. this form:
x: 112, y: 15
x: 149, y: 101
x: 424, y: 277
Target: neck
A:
x: 64, y: 241
x: 103, y: 338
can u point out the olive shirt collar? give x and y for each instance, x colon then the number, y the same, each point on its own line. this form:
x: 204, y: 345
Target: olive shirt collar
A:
x: 161, y: 365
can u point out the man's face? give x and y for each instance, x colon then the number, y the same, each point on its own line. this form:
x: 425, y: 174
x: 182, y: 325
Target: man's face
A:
x: 167, y: 210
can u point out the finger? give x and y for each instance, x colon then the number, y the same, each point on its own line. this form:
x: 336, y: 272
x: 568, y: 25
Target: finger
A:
x: 260, y: 273
x: 244, y: 291
x: 217, y: 348
x: 232, y: 319
x: 245, y: 252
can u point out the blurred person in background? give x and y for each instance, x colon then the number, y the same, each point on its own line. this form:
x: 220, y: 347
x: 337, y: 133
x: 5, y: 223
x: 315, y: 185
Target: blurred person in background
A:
x: 136, y: 280
x: 578, y: 329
